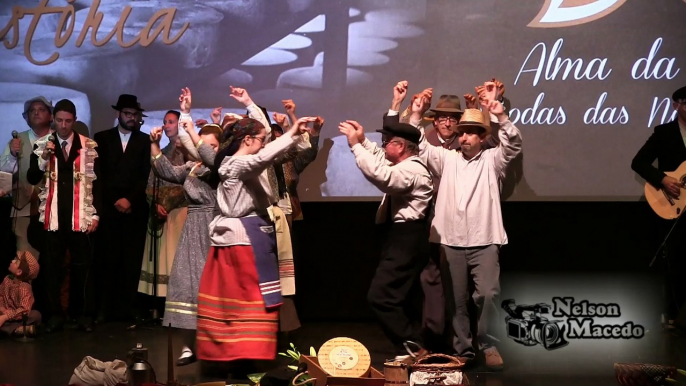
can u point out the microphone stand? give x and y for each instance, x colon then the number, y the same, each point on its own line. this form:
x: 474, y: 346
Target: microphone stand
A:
x: 153, y: 256
x: 662, y: 250
x: 662, y: 246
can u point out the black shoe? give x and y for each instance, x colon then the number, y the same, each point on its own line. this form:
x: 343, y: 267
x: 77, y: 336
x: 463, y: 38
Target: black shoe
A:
x: 86, y: 325
x: 101, y: 319
x: 186, y: 360
x: 54, y: 325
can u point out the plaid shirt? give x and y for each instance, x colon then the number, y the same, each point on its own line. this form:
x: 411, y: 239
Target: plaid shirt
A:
x: 16, y: 298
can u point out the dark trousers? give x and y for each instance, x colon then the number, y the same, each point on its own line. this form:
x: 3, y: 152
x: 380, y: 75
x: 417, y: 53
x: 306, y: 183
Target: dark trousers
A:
x: 479, y: 266
x: 54, y: 270
x: 395, y: 294
x: 674, y: 265
x: 121, y: 244
x: 433, y: 316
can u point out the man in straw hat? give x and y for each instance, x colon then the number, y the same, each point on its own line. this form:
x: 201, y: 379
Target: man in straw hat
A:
x: 468, y: 223
x: 394, y: 295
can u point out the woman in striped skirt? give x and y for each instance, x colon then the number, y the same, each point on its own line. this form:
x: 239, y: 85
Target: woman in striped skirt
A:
x: 240, y: 293
x: 181, y: 306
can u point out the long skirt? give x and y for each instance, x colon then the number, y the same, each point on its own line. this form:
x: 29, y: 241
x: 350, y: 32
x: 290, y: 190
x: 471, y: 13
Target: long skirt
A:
x: 167, y: 243
x: 233, y: 322
x: 181, y: 306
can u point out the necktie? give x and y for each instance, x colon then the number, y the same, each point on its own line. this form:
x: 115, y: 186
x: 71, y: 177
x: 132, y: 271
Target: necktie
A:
x: 64, y: 150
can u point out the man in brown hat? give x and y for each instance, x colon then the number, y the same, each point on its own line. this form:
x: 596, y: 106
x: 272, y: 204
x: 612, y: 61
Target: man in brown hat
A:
x: 125, y: 166
x: 468, y: 224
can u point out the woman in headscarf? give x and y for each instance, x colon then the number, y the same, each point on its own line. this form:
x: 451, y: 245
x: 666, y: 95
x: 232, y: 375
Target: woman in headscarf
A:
x: 184, y: 281
x: 240, y: 293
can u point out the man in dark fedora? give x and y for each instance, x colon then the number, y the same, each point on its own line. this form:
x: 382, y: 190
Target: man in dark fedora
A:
x: 395, y: 169
x: 125, y: 165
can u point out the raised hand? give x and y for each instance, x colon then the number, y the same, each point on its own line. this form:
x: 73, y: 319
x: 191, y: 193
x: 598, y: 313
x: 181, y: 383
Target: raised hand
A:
x: 289, y: 106
x: 500, y: 87
x: 241, y: 95
x: 400, y: 91
x: 422, y: 101
x: 280, y: 119
x: 156, y: 135
x: 470, y: 101
x: 200, y: 123
x: 185, y: 100
x: 216, y: 115
x: 300, y: 126
x: 317, y: 126
x: 491, y: 91
x: 359, y: 130
x: 496, y: 108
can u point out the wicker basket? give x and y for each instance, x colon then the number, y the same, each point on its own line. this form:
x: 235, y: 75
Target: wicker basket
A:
x: 438, y: 369
x: 642, y: 374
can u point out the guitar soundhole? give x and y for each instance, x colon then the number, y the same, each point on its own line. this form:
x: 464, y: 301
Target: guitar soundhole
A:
x: 682, y: 180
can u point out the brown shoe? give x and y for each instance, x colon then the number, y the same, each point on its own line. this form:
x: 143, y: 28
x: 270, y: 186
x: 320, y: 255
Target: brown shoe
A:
x: 493, y: 359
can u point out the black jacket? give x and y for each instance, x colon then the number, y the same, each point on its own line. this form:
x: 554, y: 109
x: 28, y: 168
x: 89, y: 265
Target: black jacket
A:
x: 667, y: 146
x: 124, y: 173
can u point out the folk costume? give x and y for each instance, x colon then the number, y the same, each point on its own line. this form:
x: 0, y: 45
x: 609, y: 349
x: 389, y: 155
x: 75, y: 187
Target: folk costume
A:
x: 69, y: 203
x: 240, y: 290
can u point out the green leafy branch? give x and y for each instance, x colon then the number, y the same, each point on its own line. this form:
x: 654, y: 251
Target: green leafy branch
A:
x: 673, y: 381
x: 294, y: 354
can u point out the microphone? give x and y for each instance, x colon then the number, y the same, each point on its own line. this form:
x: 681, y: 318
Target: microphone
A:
x: 51, y: 138
x: 15, y: 135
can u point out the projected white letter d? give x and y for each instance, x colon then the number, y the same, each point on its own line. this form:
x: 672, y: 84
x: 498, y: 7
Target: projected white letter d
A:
x: 566, y: 13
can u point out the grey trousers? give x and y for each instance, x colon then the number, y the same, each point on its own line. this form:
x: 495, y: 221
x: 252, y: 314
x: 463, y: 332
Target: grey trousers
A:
x: 480, y: 267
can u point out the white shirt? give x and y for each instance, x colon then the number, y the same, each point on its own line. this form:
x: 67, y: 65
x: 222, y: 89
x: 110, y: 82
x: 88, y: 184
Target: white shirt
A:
x: 124, y: 139
x: 468, y: 212
x: 408, y: 184
x: 69, y: 141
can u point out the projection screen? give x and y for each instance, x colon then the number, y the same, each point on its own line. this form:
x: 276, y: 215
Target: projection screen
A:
x: 586, y: 80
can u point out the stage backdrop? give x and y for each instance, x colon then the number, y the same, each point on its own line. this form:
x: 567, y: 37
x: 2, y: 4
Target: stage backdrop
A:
x: 586, y: 80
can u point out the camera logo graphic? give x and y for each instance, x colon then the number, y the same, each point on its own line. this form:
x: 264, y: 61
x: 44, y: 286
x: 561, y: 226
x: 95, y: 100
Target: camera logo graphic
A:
x: 526, y: 326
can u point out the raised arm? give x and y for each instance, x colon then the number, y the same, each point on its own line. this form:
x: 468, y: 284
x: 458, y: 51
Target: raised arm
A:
x: 510, y: 137
x: 307, y: 156
x: 161, y: 165
x: 185, y: 102
x: 252, y: 165
x: 387, y: 178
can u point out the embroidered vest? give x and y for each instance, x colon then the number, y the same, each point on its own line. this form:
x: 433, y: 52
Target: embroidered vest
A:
x: 83, y: 176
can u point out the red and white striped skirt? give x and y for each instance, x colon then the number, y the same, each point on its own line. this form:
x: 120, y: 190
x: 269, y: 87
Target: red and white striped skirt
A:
x: 233, y: 322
